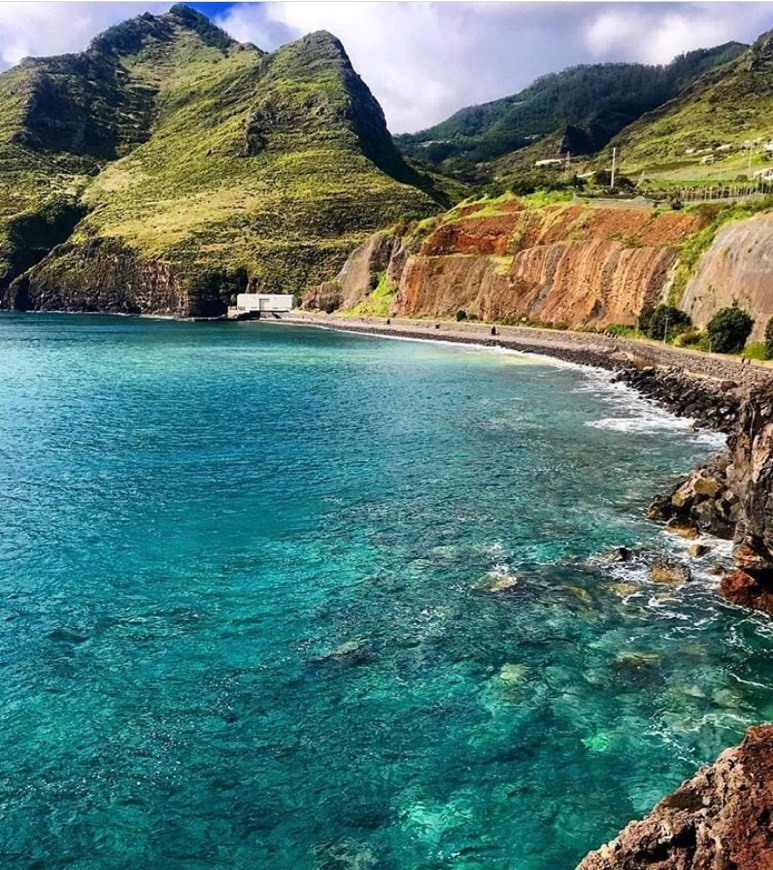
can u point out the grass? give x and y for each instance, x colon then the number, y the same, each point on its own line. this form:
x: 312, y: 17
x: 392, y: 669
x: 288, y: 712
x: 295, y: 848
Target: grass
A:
x: 755, y: 350
x: 378, y: 303
x: 278, y: 164
x: 731, y: 104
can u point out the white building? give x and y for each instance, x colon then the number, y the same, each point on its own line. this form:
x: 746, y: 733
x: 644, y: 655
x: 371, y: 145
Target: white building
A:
x: 268, y: 302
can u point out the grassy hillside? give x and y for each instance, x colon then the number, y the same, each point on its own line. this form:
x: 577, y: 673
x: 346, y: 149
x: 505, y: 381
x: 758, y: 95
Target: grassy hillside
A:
x: 218, y: 161
x: 277, y: 164
x: 711, y: 130
x: 64, y: 118
x: 584, y: 106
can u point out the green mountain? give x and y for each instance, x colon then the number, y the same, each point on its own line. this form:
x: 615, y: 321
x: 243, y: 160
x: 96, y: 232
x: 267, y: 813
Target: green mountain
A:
x: 584, y: 107
x: 167, y: 167
x: 716, y: 129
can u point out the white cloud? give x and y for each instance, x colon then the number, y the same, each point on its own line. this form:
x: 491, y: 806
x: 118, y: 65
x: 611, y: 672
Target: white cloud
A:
x: 657, y: 33
x: 425, y: 60
x: 39, y: 29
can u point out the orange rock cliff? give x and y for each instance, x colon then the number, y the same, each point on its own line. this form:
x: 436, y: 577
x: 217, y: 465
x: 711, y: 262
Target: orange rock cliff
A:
x: 568, y: 264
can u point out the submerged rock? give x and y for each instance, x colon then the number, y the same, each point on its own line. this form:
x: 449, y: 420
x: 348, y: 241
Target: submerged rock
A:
x: 718, y: 820
x: 501, y: 583
x: 512, y: 673
x: 666, y: 570
x: 623, y: 590
x: 698, y: 550
x: 577, y: 592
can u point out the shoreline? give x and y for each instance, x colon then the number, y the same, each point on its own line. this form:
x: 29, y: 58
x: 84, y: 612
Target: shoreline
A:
x: 582, y: 348
x: 702, y: 387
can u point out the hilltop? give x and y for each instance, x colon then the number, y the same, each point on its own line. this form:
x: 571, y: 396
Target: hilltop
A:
x: 581, y: 108
x: 716, y: 130
x: 167, y: 166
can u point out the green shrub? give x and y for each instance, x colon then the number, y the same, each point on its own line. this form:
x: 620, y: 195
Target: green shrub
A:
x: 755, y: 350
x: 769, y: 339
x: 621, y: 330
x: 666, y: 321
x: 728, y: 329
x: 461, y: 314
x: 694, y: 338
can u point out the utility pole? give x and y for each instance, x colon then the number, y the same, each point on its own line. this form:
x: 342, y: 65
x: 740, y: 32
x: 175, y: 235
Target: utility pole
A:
x: 665, y: 330
x: 614, y: 165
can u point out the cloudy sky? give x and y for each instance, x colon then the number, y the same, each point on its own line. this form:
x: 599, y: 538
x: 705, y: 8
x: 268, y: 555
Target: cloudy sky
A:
x: 423, y: 60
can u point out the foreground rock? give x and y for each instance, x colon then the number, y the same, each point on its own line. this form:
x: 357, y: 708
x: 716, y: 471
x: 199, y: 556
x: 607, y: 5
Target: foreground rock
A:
x: 721, y: 819
x: 753, y: 589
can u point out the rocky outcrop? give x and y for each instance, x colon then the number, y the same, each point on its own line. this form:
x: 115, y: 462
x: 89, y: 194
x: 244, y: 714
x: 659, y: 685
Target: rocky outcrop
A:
x: 731, y: 496
x: 569, y: 265
x: 751, y: 475
x: 752, y: 589
x: 738, y: 267
x: 382, y: 252
x: 703, y: 502
x: 104, y: 275
x: 721, y: 819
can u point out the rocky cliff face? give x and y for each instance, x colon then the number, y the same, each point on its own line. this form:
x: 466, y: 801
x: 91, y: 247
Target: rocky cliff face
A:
x: 738, y: 267
x: 721, y: 819
x: 569, y: 265
x: 751, y: 447
x: 105, y: 276
x: 566, y: 265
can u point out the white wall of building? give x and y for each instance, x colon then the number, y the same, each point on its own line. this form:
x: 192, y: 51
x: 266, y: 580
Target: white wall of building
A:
x: 265, y: 302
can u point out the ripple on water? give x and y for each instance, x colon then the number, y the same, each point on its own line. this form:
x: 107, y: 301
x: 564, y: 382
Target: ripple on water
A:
x: 291, y: 598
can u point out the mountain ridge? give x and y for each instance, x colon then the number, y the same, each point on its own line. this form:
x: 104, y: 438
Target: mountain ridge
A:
x: 222, y: 165
x: 594, y: 100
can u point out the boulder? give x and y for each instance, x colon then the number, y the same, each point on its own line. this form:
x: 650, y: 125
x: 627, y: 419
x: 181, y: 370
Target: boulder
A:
x: 718, y: 820
x: 749, y: 589
x: 682, y: 528
x: 698, y: 550
x: 618, y: 554
x: 666, y: 570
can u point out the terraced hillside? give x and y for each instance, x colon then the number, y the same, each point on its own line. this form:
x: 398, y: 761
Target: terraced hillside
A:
x: 578, y: 111
x: 716, y: 130
x: 187, y: 165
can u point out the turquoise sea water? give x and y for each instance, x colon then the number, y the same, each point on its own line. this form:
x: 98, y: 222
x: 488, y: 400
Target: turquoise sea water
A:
x: 247, y: 617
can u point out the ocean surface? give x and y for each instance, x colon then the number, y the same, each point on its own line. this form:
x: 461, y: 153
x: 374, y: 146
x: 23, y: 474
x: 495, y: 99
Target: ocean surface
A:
x: 258, y: 610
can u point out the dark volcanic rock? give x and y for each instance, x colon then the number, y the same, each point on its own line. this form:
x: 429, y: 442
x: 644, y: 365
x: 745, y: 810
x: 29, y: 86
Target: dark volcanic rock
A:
x: 721, y: 819
x: 704, y: 501
x: 751, y: 474
x: 711, y: 404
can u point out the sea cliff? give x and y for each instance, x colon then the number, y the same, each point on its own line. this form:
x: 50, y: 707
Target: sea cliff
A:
x: 570, y: 265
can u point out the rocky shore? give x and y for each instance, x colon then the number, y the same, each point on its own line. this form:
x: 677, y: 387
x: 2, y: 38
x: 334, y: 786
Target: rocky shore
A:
x: 721, y: 819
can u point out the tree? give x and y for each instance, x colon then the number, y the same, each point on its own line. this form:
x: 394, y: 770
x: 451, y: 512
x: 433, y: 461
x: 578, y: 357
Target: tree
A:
x: 666, y: 321
x: 729, y: 328
x: 769, y: 339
